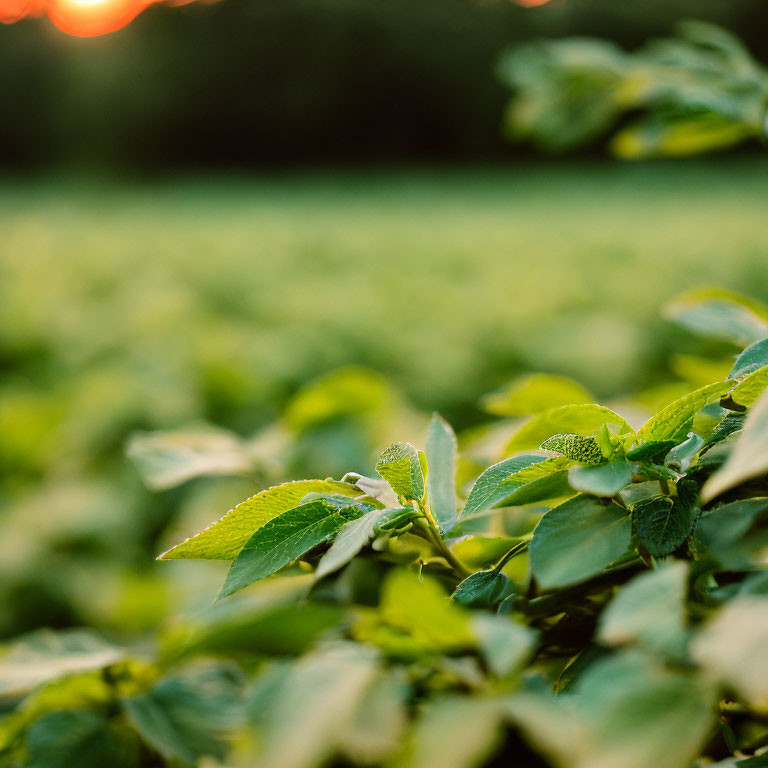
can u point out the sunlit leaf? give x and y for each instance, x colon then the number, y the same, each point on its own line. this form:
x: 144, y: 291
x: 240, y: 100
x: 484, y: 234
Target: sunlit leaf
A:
x: 455, y: 732
x: 421, y: 608
x: 674, y: 421
x: 733, y: 648
x: 755, y: 356
x: 719, y: 314
x: 489, y: 488
x: 307, y: 715
x: 351, y: 392
x: 748, y: 457
x: 227, y: 536
x: 284, y: 539
x: 441, y: 476
x: 749, y: 389
x: 579, y: 419
x: 375, y: 728
x: 46, y: 655
x: 399, y: 465
x: 535, y: 393
x: 168, y: 459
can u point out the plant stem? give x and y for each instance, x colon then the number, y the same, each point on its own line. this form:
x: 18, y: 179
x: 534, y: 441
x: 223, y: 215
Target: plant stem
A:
x: 429, y: 532
x: 519, y: 547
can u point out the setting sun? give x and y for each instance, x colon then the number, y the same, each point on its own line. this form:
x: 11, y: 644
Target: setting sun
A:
x: 87, y: 18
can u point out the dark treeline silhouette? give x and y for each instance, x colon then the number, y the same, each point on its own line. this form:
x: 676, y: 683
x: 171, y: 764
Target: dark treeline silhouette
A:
x: 250, y: 83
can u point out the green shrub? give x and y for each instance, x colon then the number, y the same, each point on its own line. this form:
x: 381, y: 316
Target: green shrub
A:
x: 598, y: 597
x: 699, y: 92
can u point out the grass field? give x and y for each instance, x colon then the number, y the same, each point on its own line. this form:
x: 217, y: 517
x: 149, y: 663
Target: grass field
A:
x: 155, y: 305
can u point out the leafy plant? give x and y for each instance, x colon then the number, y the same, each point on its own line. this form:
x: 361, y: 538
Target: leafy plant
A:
x: 617, y: 598
x: 698, y: 92
x: 596, y: 597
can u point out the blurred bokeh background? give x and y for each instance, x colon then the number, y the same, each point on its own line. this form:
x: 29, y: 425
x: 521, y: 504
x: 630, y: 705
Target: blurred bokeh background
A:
x: 304, y: 223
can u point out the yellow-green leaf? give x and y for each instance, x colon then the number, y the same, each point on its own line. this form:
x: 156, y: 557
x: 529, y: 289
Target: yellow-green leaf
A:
x: 749, y: 456
x: 400, y: 466
x: 534, y: 393
x: 672, y: 422
x: 578, y: 419
x: 227, y: 536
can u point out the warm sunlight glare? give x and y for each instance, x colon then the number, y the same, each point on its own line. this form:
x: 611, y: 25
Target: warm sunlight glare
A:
x: 87, y: 18
x: 83, y: 18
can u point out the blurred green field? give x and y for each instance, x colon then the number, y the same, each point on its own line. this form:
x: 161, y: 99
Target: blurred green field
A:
x: 154, y: 305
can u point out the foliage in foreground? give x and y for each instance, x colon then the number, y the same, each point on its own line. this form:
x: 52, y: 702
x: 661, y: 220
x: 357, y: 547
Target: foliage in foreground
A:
x: 599, y: 597
x: 699, y: 92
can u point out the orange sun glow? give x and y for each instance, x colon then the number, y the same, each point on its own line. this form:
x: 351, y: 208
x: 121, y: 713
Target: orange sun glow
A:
x: 82, y: 18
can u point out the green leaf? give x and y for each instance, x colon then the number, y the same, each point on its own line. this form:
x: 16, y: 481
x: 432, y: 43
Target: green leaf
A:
x: 653, y: 451
x: 228, y: 535
x: 687, y: 492
x: 505, y: 644
x: 674, y: 421
x: 680, y: 457
x: 676, y: 135
x: 661, y: 524
x: 375, y: 729
x: 730, y: 424
x: 353, y: 392
x: 748, y: 457
x: 483, y: 589
x: 306, y: 716
x: 540, y: 481
x: 273, y: 620
x: 734, y: 648
x: 482, y: 552
x: 656, y: 472
x: 754, y: 357
x: 718, y: 314
x: 734, y: 534
x: 604, y: 480
x: 352, y: 537
x: 649, y: 610
x: 78, y: 738
x: 749, y: 389
x: 454, y: 732
x: 534, y: 393
x: 396, y: 518
x: 168, y: 459
x: 550, y: 481
x: 580, y: 419
x: 46, y: 655
x: 627, y: 711
x: 441, y: 474
x: 488, y: 488
x: 421, y: 609
x: 284, y: 539
x: 189, y: 717
x: 582, y: 449
x: 577, y: 540
x: 399, y: 465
